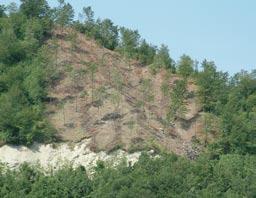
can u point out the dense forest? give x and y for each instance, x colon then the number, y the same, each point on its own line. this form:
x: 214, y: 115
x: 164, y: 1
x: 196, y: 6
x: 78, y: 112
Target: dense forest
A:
x: 231, y: 175
x: 28, y: 68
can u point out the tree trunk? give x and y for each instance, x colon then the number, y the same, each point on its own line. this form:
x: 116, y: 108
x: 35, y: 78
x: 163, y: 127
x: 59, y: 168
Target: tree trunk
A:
x: 63, y: 113
x: 92, y: 81
x: 76, y: 103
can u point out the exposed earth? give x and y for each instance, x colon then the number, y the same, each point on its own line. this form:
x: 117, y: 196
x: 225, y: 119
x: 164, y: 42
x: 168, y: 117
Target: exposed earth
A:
x: 52, y: 157
x: 95, y: 106
x: 107, y: 109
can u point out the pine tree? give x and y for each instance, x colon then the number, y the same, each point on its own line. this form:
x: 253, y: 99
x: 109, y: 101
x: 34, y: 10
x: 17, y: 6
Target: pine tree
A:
x: 129, y: 42
x: 92, y: 68
x: 177, y: 106
x: 64, y: 14
x: 185, y: 66
x: 163, y: 60
x: 147, y: 94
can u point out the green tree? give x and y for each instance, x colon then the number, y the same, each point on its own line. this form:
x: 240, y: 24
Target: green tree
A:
x: 35, y: 8
x: 21, y: 123
x: 177, y: 106
x: 76, y: 76
x: 74, y: 43
x: 89, y: 14
x: 129, y: 42
x: 212, y: 87
x: 64, y: 14
x: 131, y: 124
x: 2, y: 11
x: 92, y: 68
x: 185, y: 66
x: 118, y: 84
x: 100, y: 95
x: 147, y: 94
x: 117, y: 79
x: 115, y: 98
x: 107, y: 34
x: 238, y: 116
x: 210, y: 126
x: 163, y: 60
x: 12, y: 8
x: 89, y: 27
x: 25, y: 74
x: 67, y: 182
x: 9, y: 47
x: 105, y: 63
x: 146, y: 53
x: 55, y: 47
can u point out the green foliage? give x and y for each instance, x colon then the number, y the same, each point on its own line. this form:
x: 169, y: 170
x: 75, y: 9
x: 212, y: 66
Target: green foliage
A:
x: 103, y: 31
x: 115, y: 98
x: 131, y: 46
x: 110, y: 36
x: 212, y: 87
x: 26, y: 70
x: 35, y: 8
x: 89, y: 26
x: 234, y: 102
x: 167, y: 176
x: 63, y: 14
x: 177, y: 106
x: 165, y: 89
x: 74, y: 41
x: 107, y: 34
x: 89, y: 14
x: 129, y: 42
x: 146, y: 89
x: 22, y: 99
x: 12, y: 8
x: 210, y: 125
x: 30, y: 182
x: 185, y: 66
x: 2, y: 10
x: 163, y: 60
x: 92, y: 68
x: 239, y: 116
x: 101, y: 94
x: 25, y: 74
x: 146, y: 53
x: 117, y: 79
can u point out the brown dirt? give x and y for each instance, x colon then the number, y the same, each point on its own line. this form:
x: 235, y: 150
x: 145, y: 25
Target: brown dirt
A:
x: 78, y: 118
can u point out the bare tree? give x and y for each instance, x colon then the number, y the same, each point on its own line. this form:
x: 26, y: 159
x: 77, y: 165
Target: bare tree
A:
x: 100, y: 95
x: 74, y: 42
x: 93, y: 67
x: 76, y: 76
x: 104, y: 63
x: 147, y: 94
x: 62, y: 107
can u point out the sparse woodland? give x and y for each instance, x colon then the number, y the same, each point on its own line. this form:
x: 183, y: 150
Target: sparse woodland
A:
x: 40, y: 47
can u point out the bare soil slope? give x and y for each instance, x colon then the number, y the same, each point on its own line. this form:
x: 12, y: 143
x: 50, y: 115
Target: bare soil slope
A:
x: 96, y: 105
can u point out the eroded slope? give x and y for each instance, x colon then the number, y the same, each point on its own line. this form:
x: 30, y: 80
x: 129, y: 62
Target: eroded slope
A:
x: 99, y: 95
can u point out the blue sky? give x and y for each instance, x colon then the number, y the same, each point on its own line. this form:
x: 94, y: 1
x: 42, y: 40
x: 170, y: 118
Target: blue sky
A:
x: 220, y: 30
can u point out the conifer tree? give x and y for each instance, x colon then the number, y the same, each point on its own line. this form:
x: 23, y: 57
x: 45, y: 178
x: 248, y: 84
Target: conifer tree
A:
x: 177, y: 106
x: 92, y: 68
x: 185, y: 66
x: 64, y: 14
x: 162, y: 59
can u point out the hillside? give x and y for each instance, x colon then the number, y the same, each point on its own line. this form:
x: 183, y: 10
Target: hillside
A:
x: 114, y: 118
x: 91, y: 109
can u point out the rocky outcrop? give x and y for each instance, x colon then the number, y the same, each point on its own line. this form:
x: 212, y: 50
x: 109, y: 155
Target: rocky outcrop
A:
x: 51, y: 156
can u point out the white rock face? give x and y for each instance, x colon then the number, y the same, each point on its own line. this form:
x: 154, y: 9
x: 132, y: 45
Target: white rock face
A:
x: 48, y: 156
